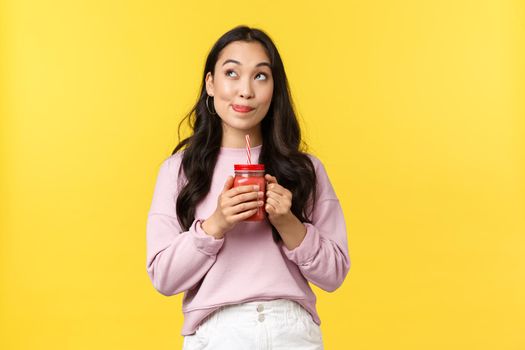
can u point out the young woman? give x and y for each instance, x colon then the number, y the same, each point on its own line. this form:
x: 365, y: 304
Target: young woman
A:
x: 245, y: 283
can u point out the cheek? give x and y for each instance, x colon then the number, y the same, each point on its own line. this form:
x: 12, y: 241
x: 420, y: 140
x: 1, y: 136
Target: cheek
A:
x: 265, y: 101
x: 224, y: 89
x: 266, y: 96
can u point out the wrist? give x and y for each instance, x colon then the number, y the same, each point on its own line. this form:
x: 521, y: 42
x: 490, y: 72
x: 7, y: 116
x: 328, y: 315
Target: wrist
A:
x: 212, y: 229
x: 285, y: 220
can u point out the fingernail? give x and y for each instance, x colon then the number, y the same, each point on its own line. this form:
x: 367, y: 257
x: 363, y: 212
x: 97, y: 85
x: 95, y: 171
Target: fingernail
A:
x: 256, y: 187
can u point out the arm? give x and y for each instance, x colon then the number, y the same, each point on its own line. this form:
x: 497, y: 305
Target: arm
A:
x: 176, y: 260
x: 322, y: 252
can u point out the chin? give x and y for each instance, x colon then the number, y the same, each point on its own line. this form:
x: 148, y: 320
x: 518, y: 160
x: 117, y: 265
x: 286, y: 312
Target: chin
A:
x: 241, y: 125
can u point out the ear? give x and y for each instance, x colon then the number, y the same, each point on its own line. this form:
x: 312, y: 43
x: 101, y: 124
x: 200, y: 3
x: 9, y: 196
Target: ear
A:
x: 209, y: 84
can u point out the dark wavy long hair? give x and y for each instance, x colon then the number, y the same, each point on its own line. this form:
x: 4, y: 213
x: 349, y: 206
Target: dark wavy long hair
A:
x: 282, y: 152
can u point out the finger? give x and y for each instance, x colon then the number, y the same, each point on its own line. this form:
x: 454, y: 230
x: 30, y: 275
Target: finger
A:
x: 276, y: 188
x: 244, y: 215
x: 274, y: 195
x: 228, y: 184
x: 243, y: 207
x: 274, y: 185
x: 270, y: 178
x: 240, y: 189
x: 246, y: 197
x: 270, y: 208
x: 273, y: 202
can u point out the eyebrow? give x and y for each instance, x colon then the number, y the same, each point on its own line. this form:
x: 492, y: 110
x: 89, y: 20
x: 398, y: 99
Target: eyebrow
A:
x: 239, y: 63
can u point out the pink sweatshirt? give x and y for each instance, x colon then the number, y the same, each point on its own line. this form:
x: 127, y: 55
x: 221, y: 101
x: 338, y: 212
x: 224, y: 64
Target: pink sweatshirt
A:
x: 246, y: 264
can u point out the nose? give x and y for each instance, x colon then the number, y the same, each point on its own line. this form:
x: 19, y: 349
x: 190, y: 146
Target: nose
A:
x: 246, y: 89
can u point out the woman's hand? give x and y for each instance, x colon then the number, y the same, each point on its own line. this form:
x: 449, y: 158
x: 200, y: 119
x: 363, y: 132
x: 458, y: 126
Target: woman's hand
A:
x: 278, y: 201
x: 278, y: 206
x: 233, y: 205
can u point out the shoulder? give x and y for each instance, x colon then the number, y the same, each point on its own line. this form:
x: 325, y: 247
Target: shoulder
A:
x: 170, y: 165
x: 173, y: 161
x: 317, y: 163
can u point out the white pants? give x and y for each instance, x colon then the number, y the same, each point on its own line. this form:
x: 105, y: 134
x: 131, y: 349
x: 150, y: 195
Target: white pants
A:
x: 256, y: 325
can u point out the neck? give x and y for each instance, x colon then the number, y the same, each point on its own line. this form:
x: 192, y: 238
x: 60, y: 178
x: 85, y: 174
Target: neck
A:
x: 234, y: 138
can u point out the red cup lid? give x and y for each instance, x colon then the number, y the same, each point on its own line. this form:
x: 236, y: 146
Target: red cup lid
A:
x: 248, y: 166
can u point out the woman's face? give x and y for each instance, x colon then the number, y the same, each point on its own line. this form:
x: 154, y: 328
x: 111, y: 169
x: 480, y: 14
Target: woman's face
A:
x: 242, y: 85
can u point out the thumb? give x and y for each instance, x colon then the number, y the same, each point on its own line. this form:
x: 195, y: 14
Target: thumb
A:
x: 228, y: 184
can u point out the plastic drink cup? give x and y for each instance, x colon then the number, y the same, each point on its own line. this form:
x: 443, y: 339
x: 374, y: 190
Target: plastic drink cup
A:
x: 251, y: 174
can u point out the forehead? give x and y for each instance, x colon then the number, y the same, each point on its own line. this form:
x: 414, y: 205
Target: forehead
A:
x: 247, y: 53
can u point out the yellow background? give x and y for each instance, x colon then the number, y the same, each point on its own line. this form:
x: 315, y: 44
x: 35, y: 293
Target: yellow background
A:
x: 416, y: 108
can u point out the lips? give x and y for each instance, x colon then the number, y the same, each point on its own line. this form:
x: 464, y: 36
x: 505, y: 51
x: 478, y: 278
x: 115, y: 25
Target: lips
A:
x: 242, y: 108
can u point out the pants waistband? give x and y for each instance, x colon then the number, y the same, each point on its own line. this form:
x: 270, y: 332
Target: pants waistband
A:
x: 278, y: 311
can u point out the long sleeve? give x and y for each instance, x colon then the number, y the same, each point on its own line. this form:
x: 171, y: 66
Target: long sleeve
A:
x: 176, y: 260
x: 322, y: 256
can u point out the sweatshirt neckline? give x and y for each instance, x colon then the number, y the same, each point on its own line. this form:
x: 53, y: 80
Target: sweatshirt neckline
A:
x: 239, y: 151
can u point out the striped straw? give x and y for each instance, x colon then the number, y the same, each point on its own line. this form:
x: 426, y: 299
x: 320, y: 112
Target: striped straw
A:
x: 248, y: 152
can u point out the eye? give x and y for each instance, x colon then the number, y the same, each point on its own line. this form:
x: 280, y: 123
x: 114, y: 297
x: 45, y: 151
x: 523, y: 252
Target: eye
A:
x: 265, y: 76
x: 228, y: 72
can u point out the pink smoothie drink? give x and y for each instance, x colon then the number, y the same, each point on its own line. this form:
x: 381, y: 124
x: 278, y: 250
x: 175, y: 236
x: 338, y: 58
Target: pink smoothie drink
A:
x: 251, y: 174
